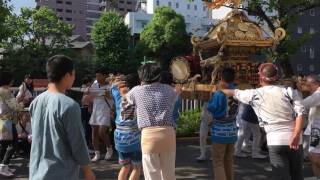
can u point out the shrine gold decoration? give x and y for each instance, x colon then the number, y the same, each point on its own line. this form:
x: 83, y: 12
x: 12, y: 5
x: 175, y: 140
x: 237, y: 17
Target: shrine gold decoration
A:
x: 215, y: 4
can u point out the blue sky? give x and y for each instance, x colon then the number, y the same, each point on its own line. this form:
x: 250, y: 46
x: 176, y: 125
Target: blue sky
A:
x: 18, y: 4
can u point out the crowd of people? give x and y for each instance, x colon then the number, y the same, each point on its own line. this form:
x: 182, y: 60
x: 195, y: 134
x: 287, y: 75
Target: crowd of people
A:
x: 137, y: 114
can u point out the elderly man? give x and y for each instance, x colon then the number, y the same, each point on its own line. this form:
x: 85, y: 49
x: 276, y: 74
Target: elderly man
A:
x: 280, y: 113
x: 313, y: 130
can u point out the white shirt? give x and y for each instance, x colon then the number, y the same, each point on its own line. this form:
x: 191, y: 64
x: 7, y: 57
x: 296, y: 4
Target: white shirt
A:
x: 313, y: 129
x: 23, y: 91
x: 276, y: 108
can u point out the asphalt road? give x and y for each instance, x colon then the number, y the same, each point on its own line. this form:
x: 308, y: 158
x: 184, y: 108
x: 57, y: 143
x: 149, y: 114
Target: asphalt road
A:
x: 186, y: 166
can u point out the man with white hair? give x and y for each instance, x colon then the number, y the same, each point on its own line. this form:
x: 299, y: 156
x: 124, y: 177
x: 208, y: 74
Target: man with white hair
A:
x: 313, y: 130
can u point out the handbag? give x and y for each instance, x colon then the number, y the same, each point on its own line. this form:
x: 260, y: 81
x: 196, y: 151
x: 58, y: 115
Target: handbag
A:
x: 6, y: 123
x: 6, y: 130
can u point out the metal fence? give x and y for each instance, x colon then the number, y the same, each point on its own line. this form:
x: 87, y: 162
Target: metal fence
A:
x: 76, y: 94
x: 191, y: 104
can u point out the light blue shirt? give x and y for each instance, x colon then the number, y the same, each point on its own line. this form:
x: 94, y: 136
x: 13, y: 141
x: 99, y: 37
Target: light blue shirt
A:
x: 58, y: 143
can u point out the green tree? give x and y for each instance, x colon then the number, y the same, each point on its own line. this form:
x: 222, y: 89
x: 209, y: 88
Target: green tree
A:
x: 165, y: 36
x: 111, y: 36
x: 4, y: 12
x: 286, y: 17
x: 34, y: 35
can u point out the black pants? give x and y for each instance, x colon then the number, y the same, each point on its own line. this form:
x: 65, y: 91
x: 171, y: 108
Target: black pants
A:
x: 24, y: 146
x: 8, y: 147
x: 287, y: 164
x: 85, y: 115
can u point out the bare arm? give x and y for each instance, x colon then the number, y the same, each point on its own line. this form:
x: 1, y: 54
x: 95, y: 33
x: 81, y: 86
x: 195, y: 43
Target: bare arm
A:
x: 228, y: 92
x: 88, y: 173
x: 295, y: 139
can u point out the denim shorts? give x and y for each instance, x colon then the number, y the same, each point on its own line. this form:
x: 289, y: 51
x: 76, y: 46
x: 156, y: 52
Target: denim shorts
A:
x: 130, y: 158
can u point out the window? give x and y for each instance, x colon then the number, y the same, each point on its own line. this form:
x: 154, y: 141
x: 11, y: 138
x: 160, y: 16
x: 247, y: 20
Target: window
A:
x: 59, y: 2
x: 80, y: 12
x: 61, y: 18
x: 158, y: 3
x: 300, y: 10
x: 311, y: 53
x: 188, y: 6
x: 312, y: 30
x: 299, y: 30
x: 69, y: 3
x: 68, y: 10
x: 121, y: 9
x: 312, y: 12
x: 204, y: 8
x: 169, y: 4
x: 121, y: 2
x: 311, y: 67
x: 129, y: 2
x: 303, y: 49
x: 299, y: 67
x: 129, y: 10
x: 177, y: 5
x: 195, y: 7
x: 59, y: 10
x: 143, y: 24
x: 68, y: 19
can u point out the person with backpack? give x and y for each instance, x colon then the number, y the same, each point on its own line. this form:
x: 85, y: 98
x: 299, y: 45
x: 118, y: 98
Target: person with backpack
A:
x: 280, y: 113
x: 223, y: 129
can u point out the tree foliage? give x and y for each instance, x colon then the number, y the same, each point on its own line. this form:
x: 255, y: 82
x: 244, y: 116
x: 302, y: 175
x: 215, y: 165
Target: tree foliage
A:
x: 4, y: 12
x: 286, y: 16
x: 33, y: 36
x: 165, y: 36
x: 111, y: 36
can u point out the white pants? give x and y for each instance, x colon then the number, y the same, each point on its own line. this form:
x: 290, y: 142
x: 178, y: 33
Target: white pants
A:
x: 159, y: 166
x: 206, y: 120
x: 244, y: 132
x: 204, y: 130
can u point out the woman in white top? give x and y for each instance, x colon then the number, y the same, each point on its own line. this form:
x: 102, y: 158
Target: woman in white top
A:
x: 100, y: 118
x: 26, y: 91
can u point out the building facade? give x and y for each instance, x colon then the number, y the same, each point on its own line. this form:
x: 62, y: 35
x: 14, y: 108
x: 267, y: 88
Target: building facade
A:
x: 70, y: 11
x: 307, y: 58
x: 83, y: 13
x: 197, y: 17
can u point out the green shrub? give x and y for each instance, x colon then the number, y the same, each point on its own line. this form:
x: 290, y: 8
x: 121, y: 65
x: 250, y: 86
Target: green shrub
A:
x: 189, y: 123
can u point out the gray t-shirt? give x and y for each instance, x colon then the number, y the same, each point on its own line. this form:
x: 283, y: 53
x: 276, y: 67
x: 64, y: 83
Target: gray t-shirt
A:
x: 58, y: 143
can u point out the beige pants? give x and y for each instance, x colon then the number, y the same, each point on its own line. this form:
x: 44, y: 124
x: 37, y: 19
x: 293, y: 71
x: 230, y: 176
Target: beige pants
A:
x: 159, y: 166
x: 222, y: 155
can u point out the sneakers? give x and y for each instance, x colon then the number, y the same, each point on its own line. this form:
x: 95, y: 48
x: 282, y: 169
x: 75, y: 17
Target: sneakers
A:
x: 259, y: 156
x: 4, y: 170
x: 201, y: 158
x: 12, y: 170
x: 246, y: 149
x: 109, y: 154
x: 97, y: 157
x: 240, y: 154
